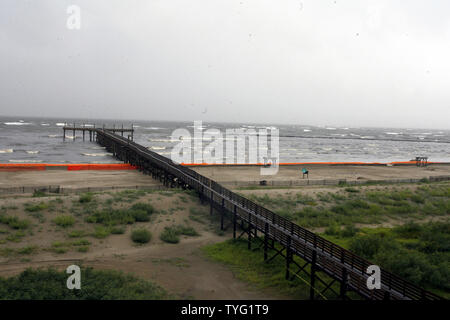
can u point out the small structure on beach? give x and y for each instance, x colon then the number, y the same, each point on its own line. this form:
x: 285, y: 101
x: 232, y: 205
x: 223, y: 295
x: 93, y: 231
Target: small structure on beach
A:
x: 421, y: 161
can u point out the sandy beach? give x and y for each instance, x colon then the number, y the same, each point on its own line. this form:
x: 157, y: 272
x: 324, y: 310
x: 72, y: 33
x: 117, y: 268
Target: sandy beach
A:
x: 286, y: 174
x: 222, y: 174
x: 75, y: 179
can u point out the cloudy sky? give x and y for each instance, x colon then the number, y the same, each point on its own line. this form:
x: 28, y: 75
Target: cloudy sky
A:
x: 320, y: 62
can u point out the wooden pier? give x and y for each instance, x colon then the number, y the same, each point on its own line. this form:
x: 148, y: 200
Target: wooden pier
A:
x: 92, y: 130
x: 327, y: 267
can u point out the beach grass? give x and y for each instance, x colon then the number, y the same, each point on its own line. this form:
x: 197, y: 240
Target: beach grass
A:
x: 419, y: 253
x: 171, y: 234
x: 362, y: 205
x: 45, y: 284
x: 141, y: 236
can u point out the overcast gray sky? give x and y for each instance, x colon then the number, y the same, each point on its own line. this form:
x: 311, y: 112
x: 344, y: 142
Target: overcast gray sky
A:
x: 319, y: 62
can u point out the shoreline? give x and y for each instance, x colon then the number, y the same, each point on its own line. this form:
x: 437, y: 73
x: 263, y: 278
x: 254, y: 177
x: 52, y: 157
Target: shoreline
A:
x: 82, y: 176
x: 125, y: 166
x: 69, y: 167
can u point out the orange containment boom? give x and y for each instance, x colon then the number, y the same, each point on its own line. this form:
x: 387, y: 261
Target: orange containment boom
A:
x: 307, y: 163
x: 69, y: 167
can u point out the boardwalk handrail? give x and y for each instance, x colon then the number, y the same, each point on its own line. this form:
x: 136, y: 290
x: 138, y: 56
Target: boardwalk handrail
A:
x: 331, y: 258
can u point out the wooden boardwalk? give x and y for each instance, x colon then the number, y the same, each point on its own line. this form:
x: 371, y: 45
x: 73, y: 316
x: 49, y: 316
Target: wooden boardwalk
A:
x: 345, y: 272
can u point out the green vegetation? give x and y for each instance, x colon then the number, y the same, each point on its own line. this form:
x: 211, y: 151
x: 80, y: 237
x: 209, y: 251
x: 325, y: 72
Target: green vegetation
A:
x: 39, y: 194
x: 60, y: 247
x: 169, y: 235
x: 8, y: 252
x: 141, y: 236
x: 86, y: 197
x: 64, y: 221
x: 14, y: 222
x: 81, y: 242
x: 101, y: 232
x: 16, y: 236
x: 118, y: 230
x: 418, y: 253
x: 110, y: 217
x: 128, y: 195
x: 349, y: 205
x: 172, y: 234
x: 27, y: 250
x: 30, y: 207
x: 76, y: 234
x: 96, y: 285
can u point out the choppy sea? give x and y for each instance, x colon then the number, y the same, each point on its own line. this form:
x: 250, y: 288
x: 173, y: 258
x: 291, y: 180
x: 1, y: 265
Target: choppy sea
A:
x: 40, y: 140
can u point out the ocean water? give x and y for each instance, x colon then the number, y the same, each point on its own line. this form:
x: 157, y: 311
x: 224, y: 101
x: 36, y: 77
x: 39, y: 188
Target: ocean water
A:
x: 40, y: 140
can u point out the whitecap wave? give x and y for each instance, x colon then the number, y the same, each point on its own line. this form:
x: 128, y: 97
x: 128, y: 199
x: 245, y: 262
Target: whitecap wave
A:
x: 7, y: 151
x: 32, y: 151
x: 19, y: 123
x: 97, y: 154
x: 24, y: 161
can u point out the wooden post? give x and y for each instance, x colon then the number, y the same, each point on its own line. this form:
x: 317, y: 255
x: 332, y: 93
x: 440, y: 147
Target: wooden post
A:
x: 266, y: 239
x: 343, y: 284
x: 313, y: 275
x: 234, y: 222
x: 222, y: 213
x: 288, y: 257
x: 249, y: 231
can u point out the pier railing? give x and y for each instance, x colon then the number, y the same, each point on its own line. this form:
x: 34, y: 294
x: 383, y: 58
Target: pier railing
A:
x: 339, y: 264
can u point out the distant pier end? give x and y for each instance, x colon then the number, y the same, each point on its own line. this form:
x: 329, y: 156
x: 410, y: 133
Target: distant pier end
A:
x: 92, y: 130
